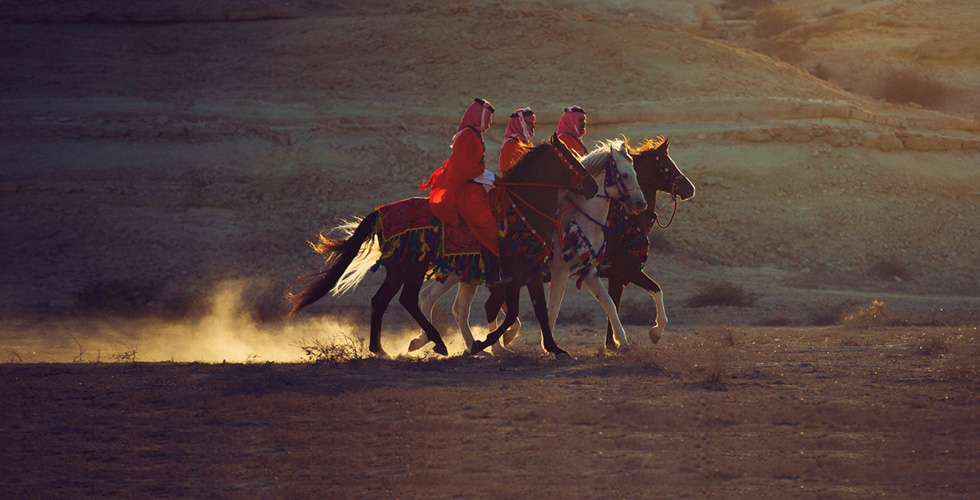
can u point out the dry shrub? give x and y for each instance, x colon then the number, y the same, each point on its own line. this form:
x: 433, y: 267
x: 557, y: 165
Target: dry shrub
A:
x: 345, y: 348
x: 775, y: 19
x: 871, y: 315
x: 721, y: 294
x: 907, y: 86
x: 932, y: 345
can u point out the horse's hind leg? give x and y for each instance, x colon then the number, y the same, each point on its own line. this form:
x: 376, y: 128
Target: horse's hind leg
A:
x: 615, y: 289
x: 535, y: 289
x: 379, y: 303
x: 427, y: 302
x: 612, y: 312
x: 511, y: 292
x: 409, y: 299
x: 465, y: 294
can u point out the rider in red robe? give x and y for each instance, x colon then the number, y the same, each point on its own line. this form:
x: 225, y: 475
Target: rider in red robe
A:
x: 571, y: 128
x: 457, y: 193
x: 517, y: 138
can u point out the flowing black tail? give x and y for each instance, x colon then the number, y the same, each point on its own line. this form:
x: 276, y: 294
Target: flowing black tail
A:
x: 339, y: 254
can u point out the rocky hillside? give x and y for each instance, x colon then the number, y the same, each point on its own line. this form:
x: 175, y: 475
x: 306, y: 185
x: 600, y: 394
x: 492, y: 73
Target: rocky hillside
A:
x: 153, y: 150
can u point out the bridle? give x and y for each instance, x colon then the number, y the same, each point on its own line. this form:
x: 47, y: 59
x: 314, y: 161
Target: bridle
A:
x: 575, y: 182
x: 669, y: 175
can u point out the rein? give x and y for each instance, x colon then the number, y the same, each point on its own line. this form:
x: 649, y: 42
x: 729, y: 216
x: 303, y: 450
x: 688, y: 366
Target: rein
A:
x: 656, y: 218
x: 576, y: 178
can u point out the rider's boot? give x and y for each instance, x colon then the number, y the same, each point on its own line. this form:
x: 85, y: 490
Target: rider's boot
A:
x: 491, y: 264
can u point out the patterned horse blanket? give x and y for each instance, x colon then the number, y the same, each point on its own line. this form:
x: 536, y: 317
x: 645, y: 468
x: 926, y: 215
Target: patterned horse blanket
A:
x: 626, y: 235
x: 407, y: 231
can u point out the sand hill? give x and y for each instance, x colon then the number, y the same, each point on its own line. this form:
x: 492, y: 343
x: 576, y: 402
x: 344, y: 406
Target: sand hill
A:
x: 151, y: 151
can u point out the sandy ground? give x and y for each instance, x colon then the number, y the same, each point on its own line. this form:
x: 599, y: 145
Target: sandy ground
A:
x: 718, y: 412
x: 162, y: 165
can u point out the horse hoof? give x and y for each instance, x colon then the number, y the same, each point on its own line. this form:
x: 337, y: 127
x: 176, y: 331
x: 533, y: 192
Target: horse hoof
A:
x: 475, y: 348
x: 441, y: 349
x: 612, y: 345
x: 417, y: 343
x: 380, y: 354
x: 655, y: 334
x: 560, y: 354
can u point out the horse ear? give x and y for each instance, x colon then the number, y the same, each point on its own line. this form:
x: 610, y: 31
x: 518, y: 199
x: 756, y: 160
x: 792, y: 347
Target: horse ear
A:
x: 554, y: 137
x: 666, y: 144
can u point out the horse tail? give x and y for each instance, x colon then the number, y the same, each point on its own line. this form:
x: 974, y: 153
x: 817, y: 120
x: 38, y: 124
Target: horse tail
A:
x: 339, y: 276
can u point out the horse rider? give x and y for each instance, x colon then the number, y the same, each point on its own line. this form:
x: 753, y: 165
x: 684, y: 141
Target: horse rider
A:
x: 517, y: 138
x: 571, y: 128
x: 457, y: 188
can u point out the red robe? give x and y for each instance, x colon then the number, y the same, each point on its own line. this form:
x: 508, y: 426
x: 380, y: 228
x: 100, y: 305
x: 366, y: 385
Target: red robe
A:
x: 454, y: 197
x: 573, y: 143
x: 510, y: 152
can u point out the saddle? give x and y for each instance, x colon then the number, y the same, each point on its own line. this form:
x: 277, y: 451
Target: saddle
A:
x: 414, y: 214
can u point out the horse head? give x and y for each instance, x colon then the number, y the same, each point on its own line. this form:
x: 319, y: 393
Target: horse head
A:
x: 621, y: 180
x: 581, y: 181
x: 658, y: 172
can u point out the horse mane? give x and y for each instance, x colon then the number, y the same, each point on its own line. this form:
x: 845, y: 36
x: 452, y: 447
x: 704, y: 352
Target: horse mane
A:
x: 593, y: 162
x: 646, y: 145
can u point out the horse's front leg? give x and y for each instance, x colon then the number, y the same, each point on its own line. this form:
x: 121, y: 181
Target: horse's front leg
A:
x: 612, y: 313
x: 427, y: 302
x: 645, y: 282
x: 535, y: 289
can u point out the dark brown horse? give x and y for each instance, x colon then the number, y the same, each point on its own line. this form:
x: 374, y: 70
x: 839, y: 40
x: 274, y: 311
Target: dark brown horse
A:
x: 627, y: 237
x: 629, y: 234
x: 536, y: 177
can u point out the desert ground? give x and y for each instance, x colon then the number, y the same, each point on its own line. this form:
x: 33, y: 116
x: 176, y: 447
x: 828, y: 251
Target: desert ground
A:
x: 165, y: 163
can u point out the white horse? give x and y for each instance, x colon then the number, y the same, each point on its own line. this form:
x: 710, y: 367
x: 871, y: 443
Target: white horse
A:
x: 612, y: 167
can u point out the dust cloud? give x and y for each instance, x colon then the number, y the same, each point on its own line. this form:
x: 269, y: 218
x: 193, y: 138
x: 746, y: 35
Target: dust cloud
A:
x: 227, y: 333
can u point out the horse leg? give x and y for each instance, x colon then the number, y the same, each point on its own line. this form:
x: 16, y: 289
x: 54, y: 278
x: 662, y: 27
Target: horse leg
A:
x: 465, y: 294
x: 379, y: 303
x: 612, y: 313
x: 645, y: 282
x: 556, y: 292
x: 511, y: 293
x: 496, y: 304
x: 511, y: 332
x: 615, y: 290
x: 427, y: 302
x: 535, y: 289
x: 409, y: 299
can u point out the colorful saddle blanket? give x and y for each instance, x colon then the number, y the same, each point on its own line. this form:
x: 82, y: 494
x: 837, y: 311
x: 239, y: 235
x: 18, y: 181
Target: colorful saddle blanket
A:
x: 408, y: 230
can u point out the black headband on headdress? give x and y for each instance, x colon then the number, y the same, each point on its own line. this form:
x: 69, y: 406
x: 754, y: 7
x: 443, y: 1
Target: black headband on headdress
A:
x: 522, y: 113
x: 483, y: 102
x: 575, y: 109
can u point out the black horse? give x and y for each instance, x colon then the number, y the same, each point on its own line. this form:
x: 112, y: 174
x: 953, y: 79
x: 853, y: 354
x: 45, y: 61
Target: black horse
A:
x: 629, y: 234
x: 627, y: 237
x: 535, y: 179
